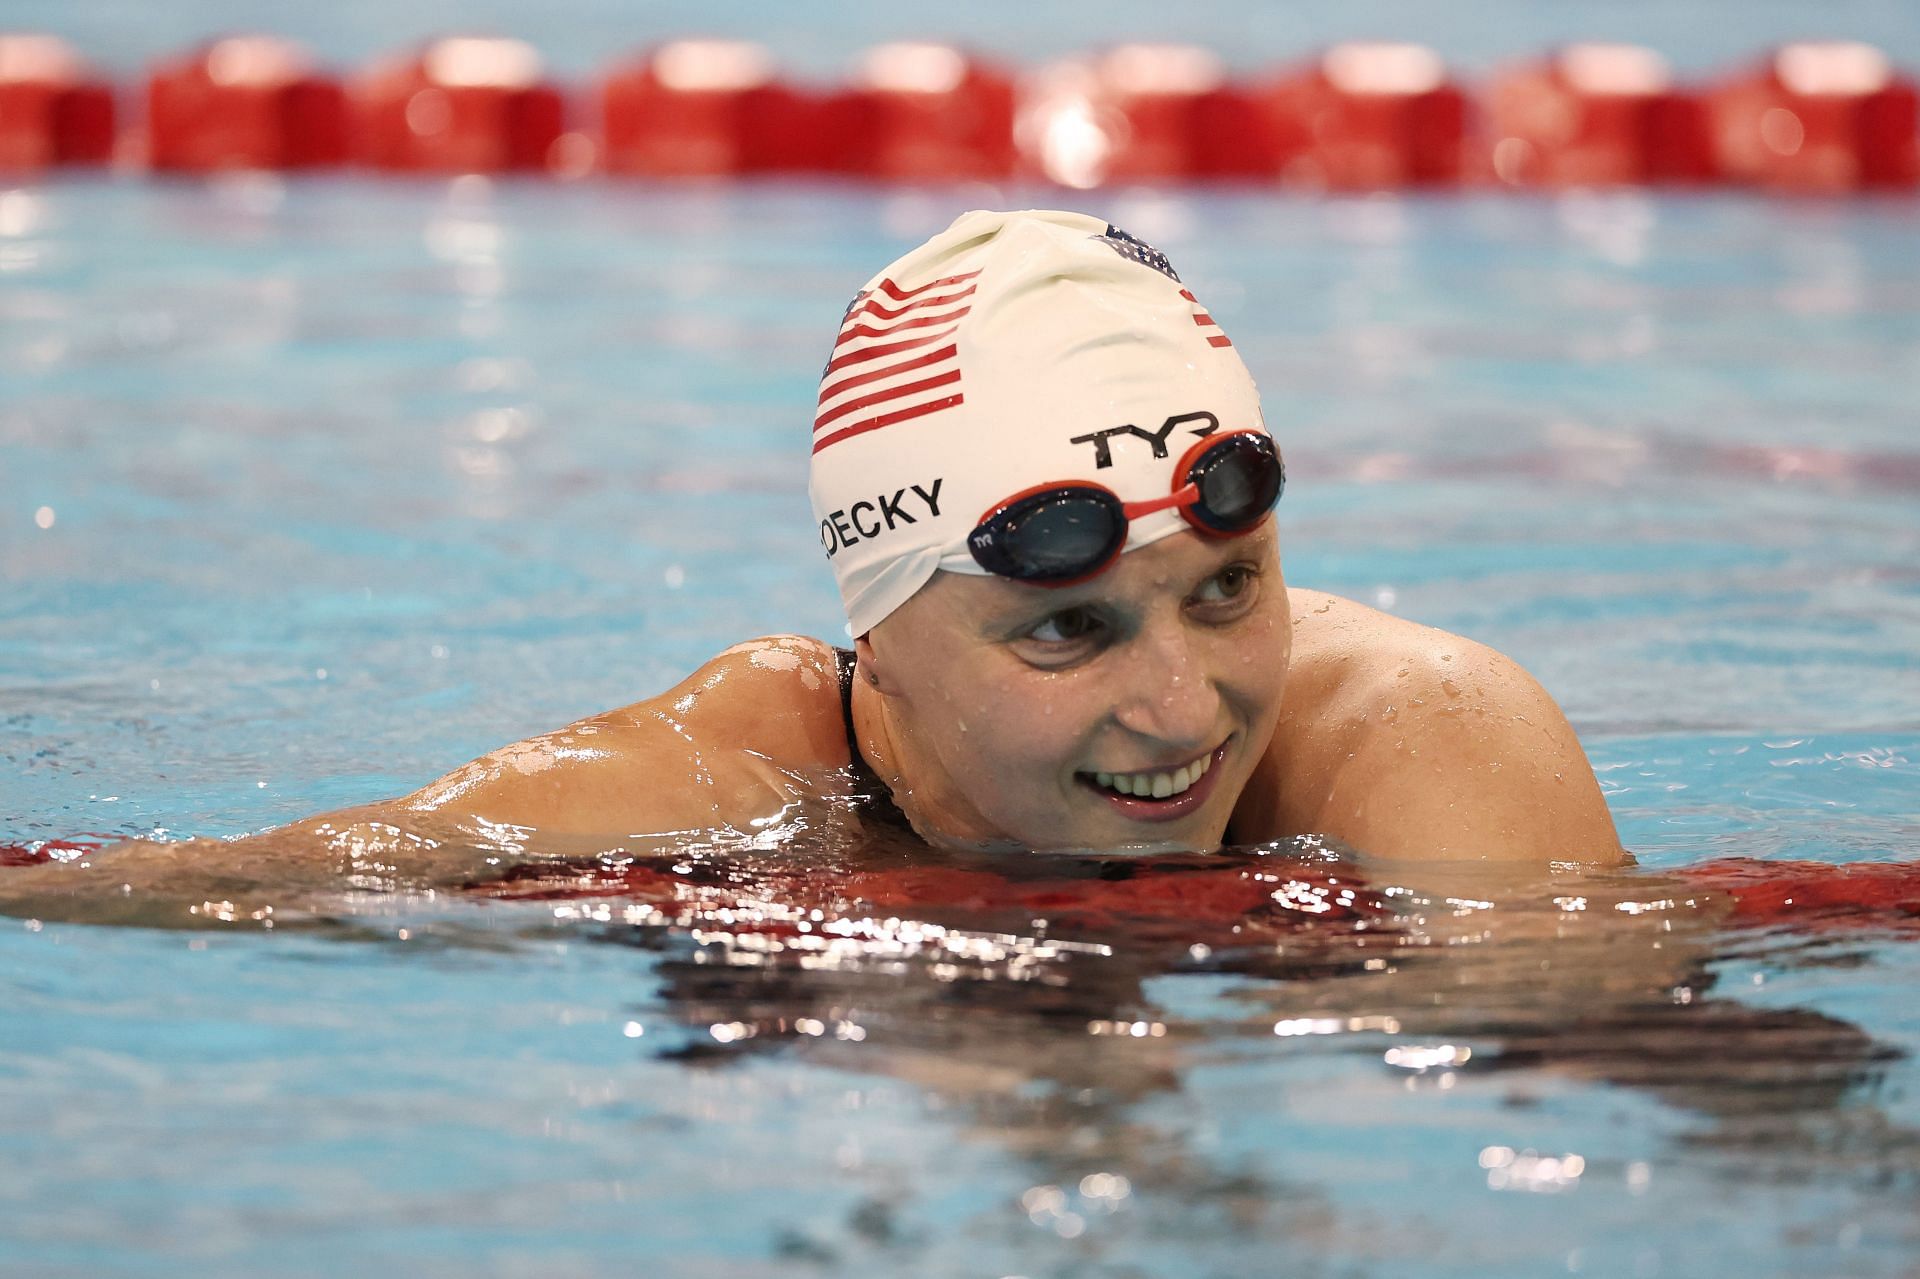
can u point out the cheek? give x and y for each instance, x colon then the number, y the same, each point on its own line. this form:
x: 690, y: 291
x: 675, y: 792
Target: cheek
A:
x: 1028, y: 733
x: 1018, y: 743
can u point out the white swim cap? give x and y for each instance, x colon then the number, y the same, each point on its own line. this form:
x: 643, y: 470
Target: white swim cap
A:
x: 1011, y: 350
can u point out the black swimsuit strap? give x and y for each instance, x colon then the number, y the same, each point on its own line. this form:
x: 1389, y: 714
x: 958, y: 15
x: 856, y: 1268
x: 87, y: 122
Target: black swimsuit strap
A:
x: 843, y: 661
x: 879, y: 794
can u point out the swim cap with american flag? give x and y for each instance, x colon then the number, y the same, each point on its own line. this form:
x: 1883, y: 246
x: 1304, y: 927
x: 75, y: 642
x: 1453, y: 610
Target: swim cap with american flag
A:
x: 1009, y: 351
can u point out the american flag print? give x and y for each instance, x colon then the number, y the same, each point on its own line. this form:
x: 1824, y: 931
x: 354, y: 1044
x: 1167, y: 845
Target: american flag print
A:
x: 1216, y: 336
x: 1134, y: 249
x: 896, y: 358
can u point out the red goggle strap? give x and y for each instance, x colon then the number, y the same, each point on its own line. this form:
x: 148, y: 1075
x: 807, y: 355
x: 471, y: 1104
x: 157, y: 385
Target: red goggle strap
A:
x: 1181, y: 497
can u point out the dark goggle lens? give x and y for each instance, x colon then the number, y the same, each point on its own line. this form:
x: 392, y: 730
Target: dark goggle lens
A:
x: 1239, y: 480
x: 1051, y: 536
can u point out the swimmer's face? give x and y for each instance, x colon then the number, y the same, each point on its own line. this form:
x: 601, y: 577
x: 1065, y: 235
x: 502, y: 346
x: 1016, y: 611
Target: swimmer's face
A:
x: 1007, y: 703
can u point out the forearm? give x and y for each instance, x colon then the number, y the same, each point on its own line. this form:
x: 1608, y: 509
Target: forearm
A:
x: 295, y: 871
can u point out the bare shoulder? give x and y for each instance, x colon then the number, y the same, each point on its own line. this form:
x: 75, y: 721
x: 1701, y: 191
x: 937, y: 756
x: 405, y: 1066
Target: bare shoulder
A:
x: 1344, y: 651
x: 731, y: 743
x: 777, y: 696
x: 1409, y: 741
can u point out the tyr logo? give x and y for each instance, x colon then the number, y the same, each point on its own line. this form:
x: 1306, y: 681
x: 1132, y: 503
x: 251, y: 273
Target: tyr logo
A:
x: 1102, y: 441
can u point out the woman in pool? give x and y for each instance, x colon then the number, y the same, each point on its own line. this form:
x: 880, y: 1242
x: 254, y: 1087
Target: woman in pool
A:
x: 1043, y: 481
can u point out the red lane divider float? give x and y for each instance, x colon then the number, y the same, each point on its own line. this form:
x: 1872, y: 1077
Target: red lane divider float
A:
x: 1814, y: 896
x: 701, y: 109
x: 1137, y: 114
x: 53, y: 109
x: 1175, y: 903
x: 65, y: 849
x: 1597, y: 115
x: 1814, y: 116
x: 1368, y: 116
x: 1192, y: 899
x: 1830, y: 116
x: 924, y: 112
x: 718, y: 108
x: 246, y: 102
x: 1798, y: 895
x: 464, y: 104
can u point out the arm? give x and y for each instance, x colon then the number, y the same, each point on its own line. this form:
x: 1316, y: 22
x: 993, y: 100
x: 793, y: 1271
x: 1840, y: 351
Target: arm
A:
x: 731, y: 747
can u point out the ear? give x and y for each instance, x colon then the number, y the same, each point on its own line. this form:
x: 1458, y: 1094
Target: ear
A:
x: 870, y: 668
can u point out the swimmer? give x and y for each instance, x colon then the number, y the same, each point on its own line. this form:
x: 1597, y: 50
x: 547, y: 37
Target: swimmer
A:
x: 1043, y: 480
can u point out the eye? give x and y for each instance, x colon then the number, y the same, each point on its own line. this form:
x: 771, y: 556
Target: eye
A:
x: 1068, y: 626
x: 1231, y: 589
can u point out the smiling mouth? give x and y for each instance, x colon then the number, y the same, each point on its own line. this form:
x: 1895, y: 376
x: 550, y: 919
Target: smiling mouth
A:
x: 1159, y: 784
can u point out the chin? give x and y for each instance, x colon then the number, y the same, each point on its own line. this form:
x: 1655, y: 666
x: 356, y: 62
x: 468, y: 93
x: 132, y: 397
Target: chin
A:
x: 1092, y: 832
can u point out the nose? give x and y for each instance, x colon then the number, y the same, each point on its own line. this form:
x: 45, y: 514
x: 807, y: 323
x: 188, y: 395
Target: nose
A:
x: 1169, y: 695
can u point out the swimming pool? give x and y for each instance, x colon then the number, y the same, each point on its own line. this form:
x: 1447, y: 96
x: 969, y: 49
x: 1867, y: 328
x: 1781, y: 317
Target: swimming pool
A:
x: 313, y: 490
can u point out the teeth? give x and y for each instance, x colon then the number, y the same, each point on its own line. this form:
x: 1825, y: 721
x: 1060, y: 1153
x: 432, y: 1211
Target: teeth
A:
x: 1156, y: 785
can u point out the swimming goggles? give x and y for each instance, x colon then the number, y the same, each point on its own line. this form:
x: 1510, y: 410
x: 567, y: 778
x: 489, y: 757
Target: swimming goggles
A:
x: 1070, y: 530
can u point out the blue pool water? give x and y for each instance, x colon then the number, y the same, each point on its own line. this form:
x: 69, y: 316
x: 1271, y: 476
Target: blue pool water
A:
x: 346, y: 481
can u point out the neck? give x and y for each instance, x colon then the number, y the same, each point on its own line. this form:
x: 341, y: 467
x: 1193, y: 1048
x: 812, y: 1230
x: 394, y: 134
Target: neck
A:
x: 872, y: 733
x: 937, y: 814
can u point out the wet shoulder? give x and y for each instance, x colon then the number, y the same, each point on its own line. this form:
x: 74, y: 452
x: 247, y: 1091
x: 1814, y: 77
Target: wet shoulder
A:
x: 1353, y: 673
x: 1398, y: 738
x: 777, y: 696
x: 1342, y: 648
x: 723, y: 747
x: 1356, y: 671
